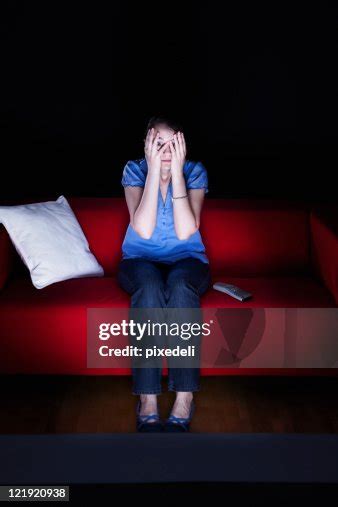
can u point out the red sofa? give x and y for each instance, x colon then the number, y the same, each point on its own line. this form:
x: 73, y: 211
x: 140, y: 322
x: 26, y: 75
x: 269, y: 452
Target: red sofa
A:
x: 285, y: 253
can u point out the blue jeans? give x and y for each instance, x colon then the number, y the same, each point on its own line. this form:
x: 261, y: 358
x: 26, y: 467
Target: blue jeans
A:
x: 154, y: 284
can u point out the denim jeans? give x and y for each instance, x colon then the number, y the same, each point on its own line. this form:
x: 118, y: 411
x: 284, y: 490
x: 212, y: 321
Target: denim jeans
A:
x: 153, y: 284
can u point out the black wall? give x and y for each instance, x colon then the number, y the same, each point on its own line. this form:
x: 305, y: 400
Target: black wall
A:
x: 255, y: 87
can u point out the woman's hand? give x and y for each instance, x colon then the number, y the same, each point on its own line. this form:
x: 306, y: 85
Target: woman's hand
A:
x: 152, y: 154
x: 178, y: 153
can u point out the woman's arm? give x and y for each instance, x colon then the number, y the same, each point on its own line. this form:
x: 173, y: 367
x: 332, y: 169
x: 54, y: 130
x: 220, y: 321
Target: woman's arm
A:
x: 142, y: 204
x: 186, y: 211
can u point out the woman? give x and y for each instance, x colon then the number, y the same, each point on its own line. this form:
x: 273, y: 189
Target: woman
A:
x: 164, y: 264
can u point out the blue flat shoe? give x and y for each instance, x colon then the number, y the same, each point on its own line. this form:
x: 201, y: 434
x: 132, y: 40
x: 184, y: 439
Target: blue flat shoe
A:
x: 179, y: 424
x: 143, y: 424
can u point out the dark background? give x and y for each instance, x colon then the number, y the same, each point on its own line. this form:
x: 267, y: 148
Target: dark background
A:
x: 255, y: 87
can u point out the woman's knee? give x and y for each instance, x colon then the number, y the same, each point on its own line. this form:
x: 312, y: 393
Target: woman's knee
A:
x: 140, y: 274
x: 181, y: 284
x: 150, y: 292
x: 193, y: 279
x: 150, y: 284
x: 188, y: 285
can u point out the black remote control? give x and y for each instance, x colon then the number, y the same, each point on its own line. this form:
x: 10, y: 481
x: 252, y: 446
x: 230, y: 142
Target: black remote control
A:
x: 232, y: 291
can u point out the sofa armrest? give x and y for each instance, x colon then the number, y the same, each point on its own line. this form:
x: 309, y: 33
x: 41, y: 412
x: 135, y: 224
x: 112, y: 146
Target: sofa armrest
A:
x: 6, y: 256
x: 324, y: 247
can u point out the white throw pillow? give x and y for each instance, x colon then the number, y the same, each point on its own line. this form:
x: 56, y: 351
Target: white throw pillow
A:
x: 50, y: 241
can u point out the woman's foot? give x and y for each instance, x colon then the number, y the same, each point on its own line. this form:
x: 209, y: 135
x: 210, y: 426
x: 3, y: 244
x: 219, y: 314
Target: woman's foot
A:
x: 181, y: 414
x: 182, y: 405
x: 147, y: 414
x: 148, y: 405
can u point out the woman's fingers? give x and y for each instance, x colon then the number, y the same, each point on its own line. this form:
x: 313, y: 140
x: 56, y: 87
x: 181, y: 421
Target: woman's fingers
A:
x: 177, y: 145
x: 146, y: 144
x: 180, y: 144
x: 150, y: 140
x: 174, y: 152
x: 154, y: 142
x: 184, y: 144
x: 174, y: 143
x: 163, y: 147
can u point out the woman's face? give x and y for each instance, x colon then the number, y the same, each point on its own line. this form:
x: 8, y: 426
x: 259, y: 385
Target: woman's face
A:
x: 165, y: 134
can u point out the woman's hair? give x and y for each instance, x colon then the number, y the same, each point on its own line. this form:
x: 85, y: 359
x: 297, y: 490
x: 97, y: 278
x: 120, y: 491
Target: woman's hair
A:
x: 166, y: 120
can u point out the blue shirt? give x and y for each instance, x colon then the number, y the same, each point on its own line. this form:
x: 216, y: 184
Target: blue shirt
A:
x: 164, y: 245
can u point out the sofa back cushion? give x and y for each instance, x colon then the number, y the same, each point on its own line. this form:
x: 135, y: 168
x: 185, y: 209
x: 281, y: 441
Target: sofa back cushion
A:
x: 104, y: 222
x: 256, y: 238
x: 242, y: 237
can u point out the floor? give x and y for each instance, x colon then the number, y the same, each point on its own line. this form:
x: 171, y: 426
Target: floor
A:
x: 103, y: 404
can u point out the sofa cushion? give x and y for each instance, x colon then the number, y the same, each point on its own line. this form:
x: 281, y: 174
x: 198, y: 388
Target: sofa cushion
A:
x: 242, y: 237
x: 272, y: 292
x: 256, y: 238
x: 49, y: 240
x: 45, y: 331
x: 104, y: 222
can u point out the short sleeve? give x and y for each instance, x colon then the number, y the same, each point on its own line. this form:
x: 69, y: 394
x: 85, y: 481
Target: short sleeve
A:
x: 132, y: 175
x: 198, y: 177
